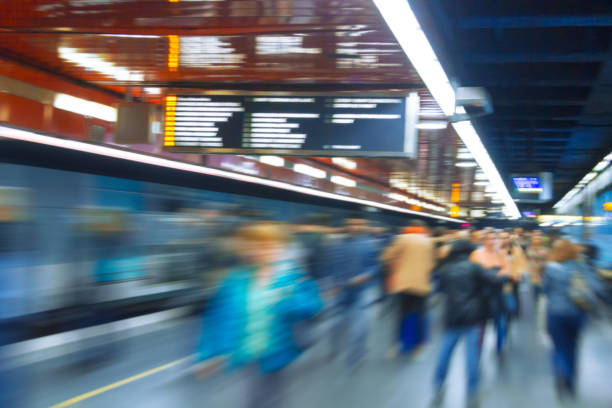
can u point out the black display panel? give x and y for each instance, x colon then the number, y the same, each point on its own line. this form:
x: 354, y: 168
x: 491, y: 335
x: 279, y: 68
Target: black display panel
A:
x: 299, y: 125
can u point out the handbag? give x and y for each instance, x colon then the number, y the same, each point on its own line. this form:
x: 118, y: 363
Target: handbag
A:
x: 580, y: 293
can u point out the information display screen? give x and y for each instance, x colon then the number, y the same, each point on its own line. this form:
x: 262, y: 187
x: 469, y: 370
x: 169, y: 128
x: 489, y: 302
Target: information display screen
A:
x: 527, y: 184
x: 317, y: 125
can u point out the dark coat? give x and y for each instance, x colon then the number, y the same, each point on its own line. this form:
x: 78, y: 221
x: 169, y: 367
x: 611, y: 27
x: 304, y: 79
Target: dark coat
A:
x: 467, y: 287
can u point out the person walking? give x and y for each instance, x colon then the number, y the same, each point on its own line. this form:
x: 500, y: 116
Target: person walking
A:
x: 410, y: 260
x: 565, y: 317
x: 354, y: 270
x: 249, y: 321
x: 537, y: 253
x: 462, y: 283
x: 492, y: 258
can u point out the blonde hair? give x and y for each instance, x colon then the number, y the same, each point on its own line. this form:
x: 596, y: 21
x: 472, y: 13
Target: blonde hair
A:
x: 563, y: 250
x: 264, y: 231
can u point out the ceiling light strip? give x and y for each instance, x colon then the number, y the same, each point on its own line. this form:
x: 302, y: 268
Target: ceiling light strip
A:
x: 470, y: 138
x: 85, y: 107
x: 408, y: 32
x: 571, y: 197
x: 27, y: 136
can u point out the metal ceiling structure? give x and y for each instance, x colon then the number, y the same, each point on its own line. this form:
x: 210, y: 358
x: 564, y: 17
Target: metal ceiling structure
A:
x: 316, y: 41
x: 548, y: 68
x: 119, y: 48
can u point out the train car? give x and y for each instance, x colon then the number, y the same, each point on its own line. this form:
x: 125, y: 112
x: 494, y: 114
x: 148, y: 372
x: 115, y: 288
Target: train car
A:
x: 76, y: 237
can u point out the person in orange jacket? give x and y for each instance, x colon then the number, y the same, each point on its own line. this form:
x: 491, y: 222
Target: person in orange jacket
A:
x: 410, y: 260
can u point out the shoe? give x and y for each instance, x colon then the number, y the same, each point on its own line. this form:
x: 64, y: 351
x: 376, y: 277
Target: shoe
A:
x: 563, y: 390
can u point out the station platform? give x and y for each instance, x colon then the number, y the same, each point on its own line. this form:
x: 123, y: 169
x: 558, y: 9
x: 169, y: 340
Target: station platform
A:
x: 155, y: 369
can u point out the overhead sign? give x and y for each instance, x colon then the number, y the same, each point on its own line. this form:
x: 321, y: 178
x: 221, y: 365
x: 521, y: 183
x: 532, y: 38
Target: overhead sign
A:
x: 454, y: 211
x: 527, y: 184
x: 289, y: 125
x: 455, y: 193
x: 532, y: 187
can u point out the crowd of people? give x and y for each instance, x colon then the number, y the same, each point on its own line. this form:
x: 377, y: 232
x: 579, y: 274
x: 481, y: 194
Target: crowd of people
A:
x: 267, y: 310
x: 480, y: 279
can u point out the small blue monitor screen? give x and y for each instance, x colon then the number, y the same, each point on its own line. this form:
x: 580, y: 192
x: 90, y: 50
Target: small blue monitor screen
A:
x: 527, y: 184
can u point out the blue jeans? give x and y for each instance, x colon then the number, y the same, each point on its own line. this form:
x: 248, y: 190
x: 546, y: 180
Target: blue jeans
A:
x: 564, y: 331
x: 450, y: 339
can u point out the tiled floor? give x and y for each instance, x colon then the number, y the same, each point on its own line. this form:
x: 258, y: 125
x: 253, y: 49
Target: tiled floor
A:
x: 523, y: 380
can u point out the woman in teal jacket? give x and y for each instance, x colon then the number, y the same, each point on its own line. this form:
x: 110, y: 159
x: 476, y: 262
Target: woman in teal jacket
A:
x: 250, y: 320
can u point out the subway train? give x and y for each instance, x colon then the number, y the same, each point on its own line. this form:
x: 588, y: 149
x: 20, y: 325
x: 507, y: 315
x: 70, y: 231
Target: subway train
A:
x: 80, y: 246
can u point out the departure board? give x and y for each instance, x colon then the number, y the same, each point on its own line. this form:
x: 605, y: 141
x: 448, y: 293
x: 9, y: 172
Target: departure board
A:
x: 300, y: 125
x: 527, y: 184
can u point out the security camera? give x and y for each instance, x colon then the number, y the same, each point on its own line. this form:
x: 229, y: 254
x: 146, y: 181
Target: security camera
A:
x: 471, y: 102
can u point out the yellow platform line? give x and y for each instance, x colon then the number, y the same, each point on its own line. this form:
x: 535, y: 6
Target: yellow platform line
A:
x: 117, y: 384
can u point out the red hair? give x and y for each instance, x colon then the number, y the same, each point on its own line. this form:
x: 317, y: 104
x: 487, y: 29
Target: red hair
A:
x: 415, y: 230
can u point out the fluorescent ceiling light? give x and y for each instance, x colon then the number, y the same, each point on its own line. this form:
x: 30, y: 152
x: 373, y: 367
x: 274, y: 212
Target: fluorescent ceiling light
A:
x: 273, y: 160
x: 152, y: 91
x: 397, y: 197
x: 470, y: 138
x: 480, y: 176
x: 398, y: 183
x: 432, y: 125
x: 481, y: 183
x: 477, y: 213
x: 489, y: 188
x: 601, y: 165
x: 95, y: 62
x: 431, y: 114
x: 409, y: 34
x: 26, y: 136
x: 567, y: 197
x: 346, y: 163
x: 464, y: 156
x: 343, y: 181
x: 590, y: 176
x: 309, y: 170
x: 466, y: 164
x: 85, y: 107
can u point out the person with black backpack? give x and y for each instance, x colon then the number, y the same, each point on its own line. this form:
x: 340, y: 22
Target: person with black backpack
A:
x: 462, y: 282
